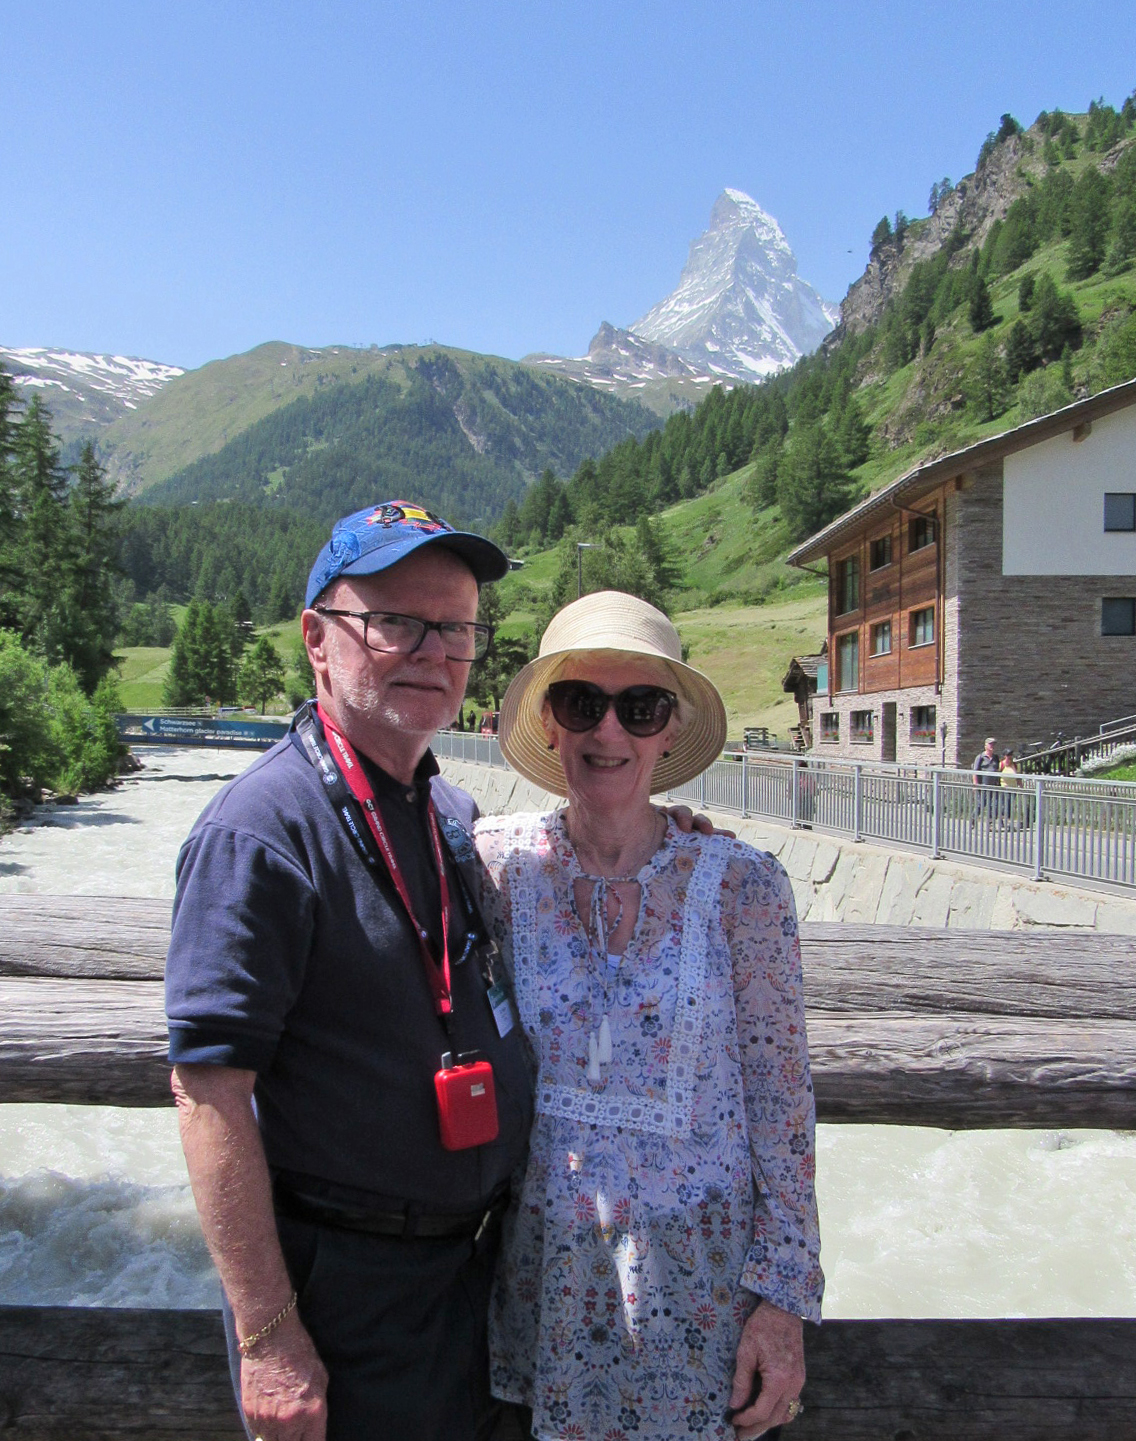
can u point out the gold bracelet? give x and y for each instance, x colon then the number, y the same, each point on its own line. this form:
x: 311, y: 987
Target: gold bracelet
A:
x: 245, y: 1347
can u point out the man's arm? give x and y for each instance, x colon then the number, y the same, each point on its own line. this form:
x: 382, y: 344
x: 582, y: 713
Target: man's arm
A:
x: 283, y: 1382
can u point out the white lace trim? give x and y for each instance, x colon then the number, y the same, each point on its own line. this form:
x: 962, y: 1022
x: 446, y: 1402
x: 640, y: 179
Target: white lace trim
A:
x: 671, y: 1114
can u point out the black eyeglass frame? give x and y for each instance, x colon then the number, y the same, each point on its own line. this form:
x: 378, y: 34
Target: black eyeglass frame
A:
x: 479, y: 629
x: 623, y: 701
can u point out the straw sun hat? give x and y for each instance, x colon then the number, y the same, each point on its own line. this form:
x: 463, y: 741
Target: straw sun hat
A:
x: 609, y: 623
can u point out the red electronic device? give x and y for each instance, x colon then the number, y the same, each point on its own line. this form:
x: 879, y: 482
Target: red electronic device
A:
x: 467, y: 1103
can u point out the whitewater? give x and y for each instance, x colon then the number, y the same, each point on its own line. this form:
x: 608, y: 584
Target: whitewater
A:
x: 95, y: 1205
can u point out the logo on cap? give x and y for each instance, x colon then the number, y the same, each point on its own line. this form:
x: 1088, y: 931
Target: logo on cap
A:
x: 401, y: 512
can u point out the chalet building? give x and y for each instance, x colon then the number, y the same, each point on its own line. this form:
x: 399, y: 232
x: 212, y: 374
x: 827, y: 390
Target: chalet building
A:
x: 800, y: 681
x: 989, y: 592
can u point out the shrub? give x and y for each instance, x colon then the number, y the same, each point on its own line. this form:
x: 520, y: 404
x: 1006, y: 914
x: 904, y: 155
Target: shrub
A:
x: 51, y: 734
x: 1042, y: 392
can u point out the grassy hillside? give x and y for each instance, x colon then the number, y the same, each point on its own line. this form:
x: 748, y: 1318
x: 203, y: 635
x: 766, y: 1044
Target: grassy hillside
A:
x: 497, y: 409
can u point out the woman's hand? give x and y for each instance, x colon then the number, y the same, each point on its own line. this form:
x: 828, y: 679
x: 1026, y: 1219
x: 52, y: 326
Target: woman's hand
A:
x: 687, y: 821
x: 772, y: 1347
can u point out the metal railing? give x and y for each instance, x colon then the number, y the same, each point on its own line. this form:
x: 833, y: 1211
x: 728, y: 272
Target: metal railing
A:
x: 468, y: 746
x: 1046, y: 825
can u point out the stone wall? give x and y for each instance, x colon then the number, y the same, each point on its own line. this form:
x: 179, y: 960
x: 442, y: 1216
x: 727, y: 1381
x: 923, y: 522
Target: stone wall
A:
x: 1031, y: 658
x: 838, y: 880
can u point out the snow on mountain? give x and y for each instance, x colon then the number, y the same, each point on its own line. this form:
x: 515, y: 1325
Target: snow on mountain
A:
x: 740, y: 312
x: 84, y: 392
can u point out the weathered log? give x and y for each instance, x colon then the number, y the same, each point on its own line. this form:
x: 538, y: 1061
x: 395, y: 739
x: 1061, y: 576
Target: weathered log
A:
x: 104, y: 1042
x: 853, y: 968
x: 118, y: 938
x: 972, y: 1072
x: 100, y: 1375
x: 1064, y: 974
x: 88, y: 1042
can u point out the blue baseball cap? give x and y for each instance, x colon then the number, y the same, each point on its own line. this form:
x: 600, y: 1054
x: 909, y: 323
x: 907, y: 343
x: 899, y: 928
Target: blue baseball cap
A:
x: 371, y: 540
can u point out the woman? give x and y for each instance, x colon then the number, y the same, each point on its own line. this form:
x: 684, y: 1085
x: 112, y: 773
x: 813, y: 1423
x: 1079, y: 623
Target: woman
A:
x: 1010, y: 781
x: 664, y: 1242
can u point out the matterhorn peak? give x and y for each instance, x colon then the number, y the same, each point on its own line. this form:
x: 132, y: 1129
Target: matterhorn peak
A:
x: 740, y: 311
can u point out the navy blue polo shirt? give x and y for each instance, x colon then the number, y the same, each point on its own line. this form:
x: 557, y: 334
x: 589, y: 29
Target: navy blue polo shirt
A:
x: 290, y: 958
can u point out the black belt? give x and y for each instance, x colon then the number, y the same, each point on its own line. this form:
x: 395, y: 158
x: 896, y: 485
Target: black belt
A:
x: 409, y: 1223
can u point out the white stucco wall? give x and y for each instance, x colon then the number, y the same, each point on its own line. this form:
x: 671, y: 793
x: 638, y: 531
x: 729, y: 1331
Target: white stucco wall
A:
x: 1053, y: 517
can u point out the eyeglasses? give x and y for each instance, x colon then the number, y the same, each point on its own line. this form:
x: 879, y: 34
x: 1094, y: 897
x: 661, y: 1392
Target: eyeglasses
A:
x: 402, y: 634
x: 642, y: 710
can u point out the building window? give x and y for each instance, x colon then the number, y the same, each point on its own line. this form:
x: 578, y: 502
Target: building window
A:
x: 881, y: 638
x: 921, y: 533
x: 829, y: 726
x: 881, y: 552
x: 860, y: 727
x: 848, y: 661
x: 848, y: 585
x: 1118, y: 615
x: 923, y: 719
x: 922, y: 626
x: 1120, y: 510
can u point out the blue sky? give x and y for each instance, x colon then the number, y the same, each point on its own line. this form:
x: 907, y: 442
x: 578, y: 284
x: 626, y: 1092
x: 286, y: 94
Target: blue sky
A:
x: 185, y: 179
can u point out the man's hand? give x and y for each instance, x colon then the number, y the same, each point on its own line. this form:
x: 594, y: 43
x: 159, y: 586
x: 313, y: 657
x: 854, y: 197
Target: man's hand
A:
x: 687, y: 821
x: 284, y: 1387
x: 283, y: 1381
x: 772, y: 1347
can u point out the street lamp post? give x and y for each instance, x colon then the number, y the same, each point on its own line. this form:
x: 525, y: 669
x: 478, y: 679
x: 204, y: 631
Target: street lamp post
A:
x: 581, y: 546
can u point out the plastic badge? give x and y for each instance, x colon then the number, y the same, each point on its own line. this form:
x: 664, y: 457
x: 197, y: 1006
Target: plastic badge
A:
x: 467, y: 1104
x: 501, y: 1007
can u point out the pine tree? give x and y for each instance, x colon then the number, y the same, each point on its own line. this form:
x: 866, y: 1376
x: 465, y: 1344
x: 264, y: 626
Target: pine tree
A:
x: 1088, y: 240
x: 981, y: 308
x: 10, y: 568
x: 262, y: 674
x: 44, y: 536
x: 89, y: 603
x: 812, y: 485
x: 987, y: 380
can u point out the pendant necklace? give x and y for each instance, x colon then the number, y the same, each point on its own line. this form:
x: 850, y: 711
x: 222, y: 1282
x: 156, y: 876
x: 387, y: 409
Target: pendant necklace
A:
x: 598, y: 930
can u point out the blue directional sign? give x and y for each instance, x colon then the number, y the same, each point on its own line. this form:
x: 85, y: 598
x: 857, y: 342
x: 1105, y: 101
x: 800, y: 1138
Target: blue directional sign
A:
x: 199, y: 731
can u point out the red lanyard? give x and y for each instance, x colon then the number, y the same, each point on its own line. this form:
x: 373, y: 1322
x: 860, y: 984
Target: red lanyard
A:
x: 437, y: 975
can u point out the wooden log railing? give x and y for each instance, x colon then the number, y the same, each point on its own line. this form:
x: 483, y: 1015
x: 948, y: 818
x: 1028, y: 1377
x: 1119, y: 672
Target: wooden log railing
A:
x: 906, y: 1026
x: 67, y: 1373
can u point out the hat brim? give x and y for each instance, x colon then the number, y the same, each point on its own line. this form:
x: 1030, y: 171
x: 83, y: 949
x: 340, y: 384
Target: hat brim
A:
x: 487, y: 561
x: 524, y: 743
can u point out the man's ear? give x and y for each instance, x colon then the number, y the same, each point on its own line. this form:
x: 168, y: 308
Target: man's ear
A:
x: 314, y: 630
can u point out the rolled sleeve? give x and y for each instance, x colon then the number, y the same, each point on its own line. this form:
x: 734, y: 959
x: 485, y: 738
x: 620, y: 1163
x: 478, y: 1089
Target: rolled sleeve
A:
x: 241, y: 935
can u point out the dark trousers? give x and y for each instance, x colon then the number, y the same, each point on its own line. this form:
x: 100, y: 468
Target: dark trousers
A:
x: 400, y: 1326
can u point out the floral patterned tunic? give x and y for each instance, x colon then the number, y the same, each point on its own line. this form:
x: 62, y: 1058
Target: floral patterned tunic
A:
x: 660, y: 1202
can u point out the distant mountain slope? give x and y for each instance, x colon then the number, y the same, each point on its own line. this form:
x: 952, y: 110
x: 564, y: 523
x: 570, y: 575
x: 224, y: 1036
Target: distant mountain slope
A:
x: 463, y: 433
x: 84, y: 392
x: 519, y: 421
x: 740, y: 313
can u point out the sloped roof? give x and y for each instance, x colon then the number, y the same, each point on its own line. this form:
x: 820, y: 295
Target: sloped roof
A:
x: 802, y: 665
x: 933, y: 472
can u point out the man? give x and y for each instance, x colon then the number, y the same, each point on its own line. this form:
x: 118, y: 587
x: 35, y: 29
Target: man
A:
x: 325, y: 956
x: 986, y: 773
x: 310, y: 978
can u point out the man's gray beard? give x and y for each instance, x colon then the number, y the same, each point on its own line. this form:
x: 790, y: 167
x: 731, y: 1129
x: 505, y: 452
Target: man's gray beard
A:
x: 357, y: 697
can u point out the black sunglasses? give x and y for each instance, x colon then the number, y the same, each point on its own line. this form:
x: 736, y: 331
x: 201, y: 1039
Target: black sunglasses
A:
x: 642, y: 710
